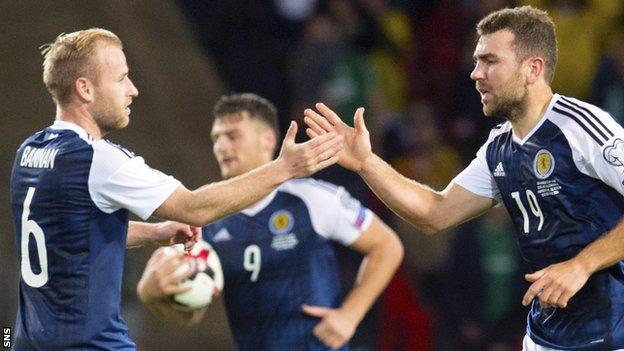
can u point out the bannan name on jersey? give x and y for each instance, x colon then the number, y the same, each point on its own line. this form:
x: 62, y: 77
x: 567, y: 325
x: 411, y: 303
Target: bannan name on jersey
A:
x: 38, y: 157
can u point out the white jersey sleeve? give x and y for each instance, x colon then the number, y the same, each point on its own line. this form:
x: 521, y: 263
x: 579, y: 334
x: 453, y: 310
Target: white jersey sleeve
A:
x: 118, y: 179
x: 334, y: 213
x: 596, y: 140
x: 477, y: 177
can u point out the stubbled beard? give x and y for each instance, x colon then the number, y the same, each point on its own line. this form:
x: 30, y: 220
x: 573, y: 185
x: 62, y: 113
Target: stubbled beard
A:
x: 108, y: 124
x: 512, y: 109
x: 107, y: 116
x: 108, y: 121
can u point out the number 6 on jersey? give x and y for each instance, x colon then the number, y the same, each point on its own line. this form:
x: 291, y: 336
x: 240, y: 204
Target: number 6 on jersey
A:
x: 30, y: 226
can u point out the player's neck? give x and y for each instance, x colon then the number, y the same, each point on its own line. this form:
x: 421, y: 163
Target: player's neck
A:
x: 81, y: 117
x: 536, y: 108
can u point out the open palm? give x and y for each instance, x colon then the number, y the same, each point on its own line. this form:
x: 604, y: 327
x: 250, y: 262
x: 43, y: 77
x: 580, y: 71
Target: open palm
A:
x: 357, y: 140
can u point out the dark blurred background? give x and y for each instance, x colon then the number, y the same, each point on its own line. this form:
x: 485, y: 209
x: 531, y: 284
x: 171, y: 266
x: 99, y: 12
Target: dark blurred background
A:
x: 407, y: 62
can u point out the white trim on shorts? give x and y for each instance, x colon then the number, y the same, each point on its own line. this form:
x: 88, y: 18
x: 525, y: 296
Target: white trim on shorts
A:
x: 530, y: 345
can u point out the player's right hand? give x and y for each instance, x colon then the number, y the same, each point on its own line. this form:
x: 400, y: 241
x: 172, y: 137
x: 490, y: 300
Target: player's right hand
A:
x: 335, y: 328
x: 163, y: 276
x: 357, y: 140
x: 171, y: 233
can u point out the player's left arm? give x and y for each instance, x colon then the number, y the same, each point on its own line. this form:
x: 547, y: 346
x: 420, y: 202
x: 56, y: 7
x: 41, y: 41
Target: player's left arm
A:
x: 557, y: 283
x: 162, y: 234
x: 383, y: 253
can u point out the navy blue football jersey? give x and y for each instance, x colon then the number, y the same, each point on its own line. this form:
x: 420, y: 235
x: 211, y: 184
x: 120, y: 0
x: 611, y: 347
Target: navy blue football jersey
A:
x: 277, y: 256
x: 70, y: 196
x: 562, y: 186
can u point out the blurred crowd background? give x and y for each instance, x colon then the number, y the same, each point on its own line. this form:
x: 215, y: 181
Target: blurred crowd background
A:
x: 406, y: 61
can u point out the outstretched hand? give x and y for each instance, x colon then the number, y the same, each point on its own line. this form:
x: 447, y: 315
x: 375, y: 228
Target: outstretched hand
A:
x: 357, y: 140
x: 335, y: 328
x: 304, y: 159
x: 556, y: 284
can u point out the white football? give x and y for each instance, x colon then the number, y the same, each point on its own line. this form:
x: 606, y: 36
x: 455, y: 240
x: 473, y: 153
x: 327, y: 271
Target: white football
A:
x: 206, y: 280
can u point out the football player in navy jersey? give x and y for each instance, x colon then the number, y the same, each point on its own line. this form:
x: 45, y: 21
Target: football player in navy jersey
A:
x: 72, y: 190
x: 282, y: 288
x: 557, y: 166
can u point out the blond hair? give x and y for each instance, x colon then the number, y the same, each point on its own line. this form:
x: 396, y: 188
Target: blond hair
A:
x: 70, y: 57
x: 534, y: 33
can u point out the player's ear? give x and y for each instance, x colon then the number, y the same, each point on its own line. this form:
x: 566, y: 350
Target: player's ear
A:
x: 536, y: 66
x: 84, y: 89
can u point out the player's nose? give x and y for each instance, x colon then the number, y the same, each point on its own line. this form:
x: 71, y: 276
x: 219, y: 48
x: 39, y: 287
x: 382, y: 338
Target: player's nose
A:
x: 133, y: 91
x: 477, y: 73
x: 220, y: 147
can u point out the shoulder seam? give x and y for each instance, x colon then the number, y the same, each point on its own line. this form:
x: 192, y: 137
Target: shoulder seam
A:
x: 578, y: 116
x: 127, y: 152
x: 596, y: 118
x: 496, y: 132
x: 314, y: 183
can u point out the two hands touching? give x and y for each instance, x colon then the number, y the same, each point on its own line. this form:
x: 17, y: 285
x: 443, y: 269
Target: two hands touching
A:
x: 357, y: 145
x: 303, y: 159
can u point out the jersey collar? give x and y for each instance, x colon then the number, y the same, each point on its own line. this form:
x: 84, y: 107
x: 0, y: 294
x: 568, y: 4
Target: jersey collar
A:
x: 517, y: 140
x: 58, y: 124
x: 260, y: 205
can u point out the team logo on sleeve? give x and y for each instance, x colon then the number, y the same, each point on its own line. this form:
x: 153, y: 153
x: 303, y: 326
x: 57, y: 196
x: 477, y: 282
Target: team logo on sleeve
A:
x: 614, y: 154
x: 281, y: 222
x: 544, y: 164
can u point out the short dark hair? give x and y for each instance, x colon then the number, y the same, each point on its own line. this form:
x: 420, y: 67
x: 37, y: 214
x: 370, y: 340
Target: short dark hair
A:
x: 534, y: 33
x: 257, y: 106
